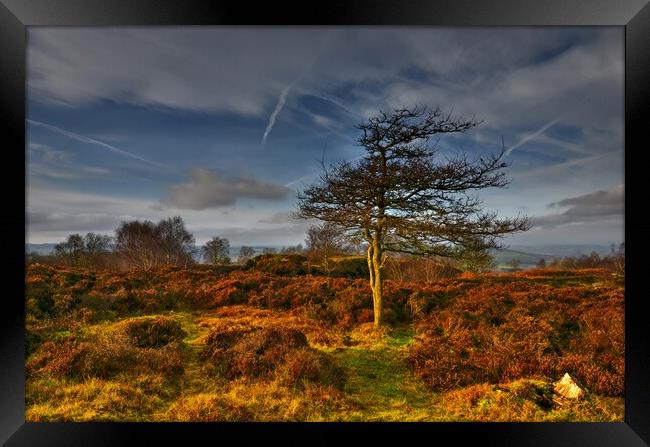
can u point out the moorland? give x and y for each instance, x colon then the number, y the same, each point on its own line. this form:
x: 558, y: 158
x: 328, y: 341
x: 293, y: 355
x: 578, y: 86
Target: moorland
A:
x: 272, y: 341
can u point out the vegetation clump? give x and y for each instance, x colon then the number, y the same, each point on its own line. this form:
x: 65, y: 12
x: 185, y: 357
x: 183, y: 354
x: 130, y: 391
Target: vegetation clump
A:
x: 212, y: 343
x: 505, y: 332
x: 279, y: 264
x: 108, y: 354
x: 272, y: 352
x: 154, y: 332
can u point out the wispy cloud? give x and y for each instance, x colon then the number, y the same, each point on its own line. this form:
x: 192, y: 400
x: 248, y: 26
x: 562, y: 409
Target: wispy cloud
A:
x: 206, y: 101
x: 561, y: 167
x: 85, y: 139
x: 48, y: 162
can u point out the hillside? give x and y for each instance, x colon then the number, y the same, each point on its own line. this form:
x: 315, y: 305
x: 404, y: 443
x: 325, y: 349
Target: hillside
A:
x: 220, y: 344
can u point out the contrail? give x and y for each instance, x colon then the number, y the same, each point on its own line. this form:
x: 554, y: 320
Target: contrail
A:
x: 304, y: 177
x: 283, y: 99
x: 278, y: 107
x: 532, y: 136
x: 84, y: 139
x: 336, y: 102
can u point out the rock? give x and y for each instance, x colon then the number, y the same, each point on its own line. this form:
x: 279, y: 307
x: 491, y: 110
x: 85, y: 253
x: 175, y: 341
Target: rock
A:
x: 568, y: 388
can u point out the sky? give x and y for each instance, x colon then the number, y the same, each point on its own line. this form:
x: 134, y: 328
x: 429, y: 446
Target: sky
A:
x: 224, y: 125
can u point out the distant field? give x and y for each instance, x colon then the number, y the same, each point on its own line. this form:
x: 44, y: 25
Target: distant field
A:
x: 231, y: 344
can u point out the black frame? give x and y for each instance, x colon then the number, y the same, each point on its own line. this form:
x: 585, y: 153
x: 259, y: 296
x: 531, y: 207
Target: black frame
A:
x: 15, y: 15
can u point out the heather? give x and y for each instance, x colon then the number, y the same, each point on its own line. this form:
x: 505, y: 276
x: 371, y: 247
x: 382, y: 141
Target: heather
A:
x: 270, y: 341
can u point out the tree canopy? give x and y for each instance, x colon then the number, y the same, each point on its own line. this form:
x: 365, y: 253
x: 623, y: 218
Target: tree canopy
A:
x: 404, y: 196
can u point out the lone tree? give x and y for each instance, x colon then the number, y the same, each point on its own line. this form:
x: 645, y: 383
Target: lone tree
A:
x: 217, y: 251
x: 400, y: 197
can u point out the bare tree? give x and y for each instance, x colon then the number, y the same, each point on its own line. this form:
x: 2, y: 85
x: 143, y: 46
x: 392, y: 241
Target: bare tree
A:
x: 177, y: 243
x: 144, y: 244
x: 138, y: 243
x: 83, y: 251
x: 71, y: 251
x: 245, y: 253
x: 97, y: 244
x: 292, y: 249
x: 400, y: 198
x: 324, y: 241
x: 96, y: 248
x: 618, y: 258
x: 217, y: 251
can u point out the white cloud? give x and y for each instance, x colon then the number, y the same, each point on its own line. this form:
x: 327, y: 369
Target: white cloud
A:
x: 216, y: 69
x: 533, y: 93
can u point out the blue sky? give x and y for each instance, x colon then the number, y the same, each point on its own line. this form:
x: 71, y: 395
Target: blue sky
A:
x: 223, y: 125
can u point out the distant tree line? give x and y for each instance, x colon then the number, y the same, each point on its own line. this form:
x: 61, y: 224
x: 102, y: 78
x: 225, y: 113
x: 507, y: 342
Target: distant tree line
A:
x: 83, y: 251
x: 140, y: 245
x: 143, y: 244
x: 614, y: 261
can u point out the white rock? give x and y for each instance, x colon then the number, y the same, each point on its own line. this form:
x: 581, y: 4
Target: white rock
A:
x: 568, y: 388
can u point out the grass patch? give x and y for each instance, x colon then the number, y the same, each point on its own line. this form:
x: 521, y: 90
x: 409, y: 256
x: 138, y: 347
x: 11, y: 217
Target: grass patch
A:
x: 381, y: 384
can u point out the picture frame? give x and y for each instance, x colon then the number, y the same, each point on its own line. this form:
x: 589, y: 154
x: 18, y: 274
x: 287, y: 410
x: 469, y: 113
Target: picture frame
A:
x: 16, y: 15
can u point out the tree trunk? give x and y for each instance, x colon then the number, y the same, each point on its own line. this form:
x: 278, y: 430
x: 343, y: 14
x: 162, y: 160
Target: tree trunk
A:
x: 376, y: 281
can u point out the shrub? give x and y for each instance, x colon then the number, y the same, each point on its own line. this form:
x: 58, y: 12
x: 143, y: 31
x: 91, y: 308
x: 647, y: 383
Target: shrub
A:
x: 279, y: 264
x: 350, y: 267
x: 273, y: 352
x: 308, y: 365
x: 103, y: 356
x: 63, y: 358
x: 260, y: 352
x: 154, y: 332
x: 502, y: 332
